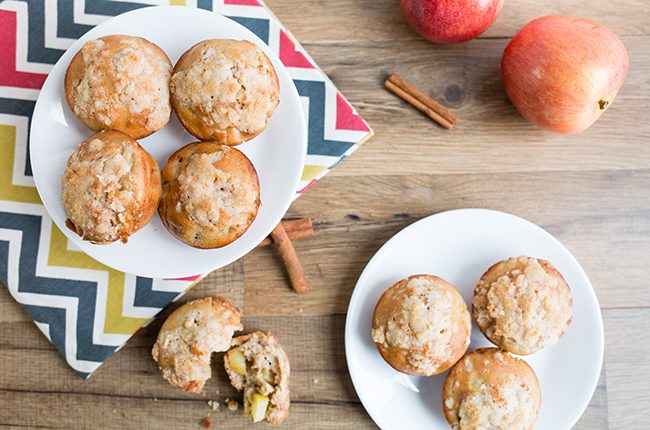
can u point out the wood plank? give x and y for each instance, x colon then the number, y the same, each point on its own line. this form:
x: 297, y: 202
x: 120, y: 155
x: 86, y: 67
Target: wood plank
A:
x: 48, y: 394
x: 316, y: 376
x: 608, y: 217
x: 320, y: 385
x: 628, y: 367
x: 375, y: 20
x: 595, y: 416
x: 491, y: 136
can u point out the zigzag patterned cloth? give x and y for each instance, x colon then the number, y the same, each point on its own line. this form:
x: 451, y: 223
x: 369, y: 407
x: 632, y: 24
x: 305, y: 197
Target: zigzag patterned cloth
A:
x: 87, y: 310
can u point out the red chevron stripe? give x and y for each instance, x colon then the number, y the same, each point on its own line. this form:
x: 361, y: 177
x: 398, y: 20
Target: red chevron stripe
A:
x: 9, y: 76
x: 346, y: 117
x: 243, y: 2
x: 290, y: 56
x: 189, y: 278
x: 312, y: 182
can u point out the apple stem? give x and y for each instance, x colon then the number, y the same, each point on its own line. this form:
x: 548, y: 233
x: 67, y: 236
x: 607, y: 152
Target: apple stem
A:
x: 603, y: 104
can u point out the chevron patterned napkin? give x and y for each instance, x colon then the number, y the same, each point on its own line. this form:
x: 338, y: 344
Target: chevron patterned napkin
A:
x: 87, y: 310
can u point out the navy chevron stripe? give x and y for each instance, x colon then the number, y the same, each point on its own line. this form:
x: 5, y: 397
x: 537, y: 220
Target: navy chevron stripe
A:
x: 65, y: 25
x: 50, y: 316
x: 111, y: 8
x: 84, y: 291
x: 204, y: 4
x: 146, y: 297
x: 318, y: 145
x: 258, y: 26
x: 21, y: 108
x: 37, y: 52
x: 4, y: 262
x: 54, y: 318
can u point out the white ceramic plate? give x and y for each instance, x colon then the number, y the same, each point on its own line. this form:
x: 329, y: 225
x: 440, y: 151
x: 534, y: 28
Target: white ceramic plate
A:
x: 459, y: 246
x: 278, y: 153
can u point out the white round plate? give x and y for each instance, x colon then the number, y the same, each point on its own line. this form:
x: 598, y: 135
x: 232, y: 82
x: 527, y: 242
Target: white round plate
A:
x: 459, y: 246
x: 278, y: 153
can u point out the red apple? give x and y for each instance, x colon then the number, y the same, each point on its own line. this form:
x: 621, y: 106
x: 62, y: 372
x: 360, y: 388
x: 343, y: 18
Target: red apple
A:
x: 561, y: 72
x: 450, y: 21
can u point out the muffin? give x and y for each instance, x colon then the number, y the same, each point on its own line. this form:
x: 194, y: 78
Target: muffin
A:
x: 489, y: 389
x: 210, y: 195
x: 224, y: 90
x: 188, y: 338
x: 111, y: 188
x: 122, y: 83
x: 421, y: 325
x: 258, y: 366
x: 522, y: 304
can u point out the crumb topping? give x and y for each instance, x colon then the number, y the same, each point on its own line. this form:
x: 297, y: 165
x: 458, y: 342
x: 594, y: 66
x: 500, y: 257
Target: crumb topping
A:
x: 525, y: 307
x: 133, y: 77
x: 422, y: 326
x: 206, y: 192
x: 99, y: 187
x: 232, y: 84
x: 509, y: 406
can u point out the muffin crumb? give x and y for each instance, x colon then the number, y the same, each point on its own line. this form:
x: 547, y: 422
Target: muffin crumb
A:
x: 232, y: 404
x: 206, y: 422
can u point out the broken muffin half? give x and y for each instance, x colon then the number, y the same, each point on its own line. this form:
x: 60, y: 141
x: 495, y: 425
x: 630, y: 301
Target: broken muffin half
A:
x: 188, y: 338
x: 257, y: 365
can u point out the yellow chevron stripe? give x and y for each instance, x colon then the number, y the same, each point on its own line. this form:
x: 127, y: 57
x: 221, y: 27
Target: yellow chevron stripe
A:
x: 9, y: 191
x: 115, y: 323
x: 309, y: 172
x: 177, y: 2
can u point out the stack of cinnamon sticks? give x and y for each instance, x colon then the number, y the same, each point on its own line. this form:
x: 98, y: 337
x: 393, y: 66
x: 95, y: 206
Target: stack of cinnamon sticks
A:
x: 420, y: 100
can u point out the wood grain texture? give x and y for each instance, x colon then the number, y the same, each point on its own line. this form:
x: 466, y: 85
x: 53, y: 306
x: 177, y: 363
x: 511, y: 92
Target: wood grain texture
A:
x: 589, y: 190
x: 628, y: 367
x: 376, y: 20
x: 596, y: 214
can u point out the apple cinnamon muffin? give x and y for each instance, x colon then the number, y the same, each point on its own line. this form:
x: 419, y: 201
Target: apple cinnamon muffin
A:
x: 111, y: 188
x: 489, y: 389
x: 224, y: 90
x: 210, y: 194
x: 257, y: 365
x: 189, y: 336
x: 522, y: 304
x: 120, y: 82
x: 421, y: 325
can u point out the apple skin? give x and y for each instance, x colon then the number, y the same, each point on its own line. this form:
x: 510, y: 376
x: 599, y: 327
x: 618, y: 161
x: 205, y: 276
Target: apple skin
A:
x: 561, y: 72
x: 450, y: 21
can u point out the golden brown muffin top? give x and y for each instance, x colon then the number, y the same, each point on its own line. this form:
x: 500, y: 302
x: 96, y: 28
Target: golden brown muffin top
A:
x: 120, y: 82
x: 107, y: 184
x: 522, y: 304
x: 421, y: 325
x: 489, y: 389
x: 210, y: 194
x: 224, y: 90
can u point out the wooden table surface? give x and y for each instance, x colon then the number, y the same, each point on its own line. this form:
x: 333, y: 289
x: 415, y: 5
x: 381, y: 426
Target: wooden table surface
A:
x: 592, y: 191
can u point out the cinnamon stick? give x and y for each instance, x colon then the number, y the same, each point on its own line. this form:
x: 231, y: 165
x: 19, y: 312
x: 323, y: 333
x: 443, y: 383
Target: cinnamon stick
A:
x: 420, y: 100
x: 290, y: 259
x: 296, y: 229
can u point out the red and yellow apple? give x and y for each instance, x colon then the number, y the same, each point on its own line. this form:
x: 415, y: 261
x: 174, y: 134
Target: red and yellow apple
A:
x: 561, y: 72
x: 450, y: 21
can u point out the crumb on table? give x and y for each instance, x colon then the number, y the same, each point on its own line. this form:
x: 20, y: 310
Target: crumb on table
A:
x: 206, y: 422
x: 232, y: 404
